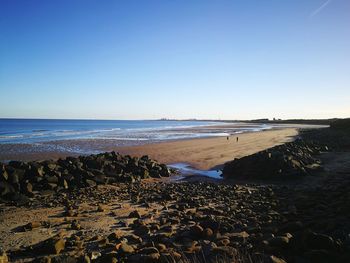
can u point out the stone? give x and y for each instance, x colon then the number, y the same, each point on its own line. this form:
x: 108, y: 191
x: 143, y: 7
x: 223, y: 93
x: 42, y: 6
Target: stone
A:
x: 36, y: 170
x: 274, y: 259
x: 134, y: 238
x: 207, y: 233
x: 142, y: 230
x: 115, y: 236
x: 279, y: 241
x: 28, y: 188
x: 223, y: 242
x: 32, y: 225
x: 147, y: 258
x: 95, y: 255
x: 3, y: 174
x: 319, y: 255
x: 196, y: 230
x: 292, y: 227
x: 85, y: 259
x: 64, y: 259
x: 126, y: 248
x: 134, y: 214
x: 318, y: 241
x: 148, y: 250
x: 238, y: 237
x: 108, y: 258
x: 18, y: 198
x: 161, y: 247
x: 6, y: 188
x: 90, y: 183
x: 3, y: 257
x: 224, y: 251
x: 100, y: 208
x: 42, y: 260
x: 52, y: 245
x: 52, y: 179
x: 75, y: 225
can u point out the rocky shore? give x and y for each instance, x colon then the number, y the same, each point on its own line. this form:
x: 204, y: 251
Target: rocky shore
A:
x: 21, y: 180
x: 100, y: 209
x: 287, y: 161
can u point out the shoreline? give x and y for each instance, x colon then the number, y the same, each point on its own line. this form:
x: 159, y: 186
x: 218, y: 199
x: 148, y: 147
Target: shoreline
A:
x: 200, y: 153
x: 211, y: 153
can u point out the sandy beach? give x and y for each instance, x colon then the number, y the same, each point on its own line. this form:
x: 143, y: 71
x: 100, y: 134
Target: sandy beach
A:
x: 121, y: 206
x: 203, y: 153
x: 211, y: 152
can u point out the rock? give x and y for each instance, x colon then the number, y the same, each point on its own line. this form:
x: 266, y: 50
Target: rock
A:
x: 126, y: 249
x: 90, y: 183
x: 279, y: 242
x: 223, y: 242
x: 95, y: 255
x: 47, y: 193
x: 207, y: 233
x: 85, y: 259
x: 3, y: 173
x: 6, y: 188
x: 134, y: 214
x: 319, y: 255
x: 75, y: 225
x: 134, y: 238
x: 290, y: 160
x: 18, y: 198
x: 318, y: 241
x: 100, y: 208
x: 196, y: 230
x: 142, y: 230
x: 52, y: 245
x: 28, y: 188
x: 32, y: 225
x: 42, y: 260
x: 36, y: 170
x: 148, y: 250
x: 115, y: 236
x: 3, y: 257
x: 147, y: 258
x: 108, y: 258
x: 274, y: 259
x: 238, y: 237
x: 52, y: 179
x: 176, y: 255
x: 161, y: 247
x: 100, y: 179
x: 63, y: 259
x: 292, y: 227
x: 224, y: 251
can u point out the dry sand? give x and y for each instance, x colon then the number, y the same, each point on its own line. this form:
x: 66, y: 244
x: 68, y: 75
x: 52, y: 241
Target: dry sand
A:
x: 211, y: 152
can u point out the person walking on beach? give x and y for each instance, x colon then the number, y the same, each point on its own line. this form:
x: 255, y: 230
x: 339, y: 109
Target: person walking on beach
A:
x: 227, y: 138
x: 237, y: 139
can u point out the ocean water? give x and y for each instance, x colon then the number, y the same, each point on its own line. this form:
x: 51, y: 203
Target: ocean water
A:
x: 28, y: 131
x: 186, y: 169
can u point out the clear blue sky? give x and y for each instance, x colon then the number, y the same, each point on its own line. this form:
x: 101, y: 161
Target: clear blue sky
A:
x: 177, y: 59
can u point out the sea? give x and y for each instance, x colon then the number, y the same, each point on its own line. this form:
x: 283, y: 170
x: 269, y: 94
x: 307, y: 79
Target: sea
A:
x: 24, y: 131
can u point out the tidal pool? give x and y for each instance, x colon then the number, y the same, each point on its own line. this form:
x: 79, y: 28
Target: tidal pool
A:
x: 186, y: 169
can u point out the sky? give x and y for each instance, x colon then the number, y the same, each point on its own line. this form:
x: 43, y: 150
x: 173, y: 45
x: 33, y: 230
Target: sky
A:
x: 181, y: 59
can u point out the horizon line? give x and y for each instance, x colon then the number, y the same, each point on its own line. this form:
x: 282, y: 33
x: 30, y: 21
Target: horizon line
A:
x: 166, y: 119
